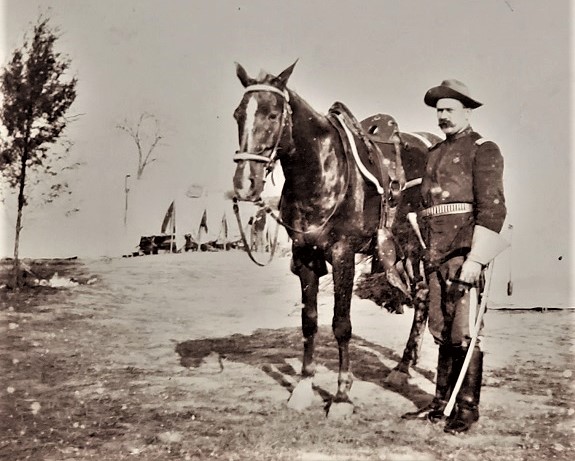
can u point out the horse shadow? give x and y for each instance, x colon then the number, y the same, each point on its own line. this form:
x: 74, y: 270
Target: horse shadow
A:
x: 273, y: 351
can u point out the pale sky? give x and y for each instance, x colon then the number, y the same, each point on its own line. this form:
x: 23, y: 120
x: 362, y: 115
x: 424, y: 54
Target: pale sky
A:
x: 175, y: 59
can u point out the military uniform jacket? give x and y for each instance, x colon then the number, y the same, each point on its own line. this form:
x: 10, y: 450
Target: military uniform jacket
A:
x: 462, y: 169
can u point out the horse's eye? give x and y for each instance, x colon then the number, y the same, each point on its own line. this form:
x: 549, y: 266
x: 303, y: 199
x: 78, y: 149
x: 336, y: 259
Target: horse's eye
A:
x: 273, y: 116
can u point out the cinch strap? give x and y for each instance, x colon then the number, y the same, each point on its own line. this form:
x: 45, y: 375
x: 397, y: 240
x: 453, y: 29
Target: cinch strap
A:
x: 446, y: 209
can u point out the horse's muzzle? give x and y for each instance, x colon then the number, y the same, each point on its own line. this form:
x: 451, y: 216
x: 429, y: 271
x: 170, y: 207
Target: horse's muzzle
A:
x: 249, y: 180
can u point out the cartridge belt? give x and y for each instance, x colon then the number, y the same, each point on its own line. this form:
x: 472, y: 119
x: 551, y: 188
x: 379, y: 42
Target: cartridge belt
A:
x: 446, y: 209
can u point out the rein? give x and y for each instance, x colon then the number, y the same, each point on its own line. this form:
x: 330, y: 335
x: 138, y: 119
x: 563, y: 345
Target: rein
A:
x: 279, y: 220
x: 245, y: 240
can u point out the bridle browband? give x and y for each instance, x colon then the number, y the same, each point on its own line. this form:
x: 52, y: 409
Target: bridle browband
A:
x: 286, y: 111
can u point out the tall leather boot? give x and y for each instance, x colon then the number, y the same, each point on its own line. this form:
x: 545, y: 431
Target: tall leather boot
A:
x: 446, y: 380
x: 434, y: 411
x: 468, y: 398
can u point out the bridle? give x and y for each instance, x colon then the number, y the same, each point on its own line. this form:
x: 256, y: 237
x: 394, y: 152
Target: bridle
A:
x: 285, y: 122
x: 269, y: 161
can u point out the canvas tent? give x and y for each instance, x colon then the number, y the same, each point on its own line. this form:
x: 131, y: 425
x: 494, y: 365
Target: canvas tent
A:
x: 179, y: 221
x: 165, y: 210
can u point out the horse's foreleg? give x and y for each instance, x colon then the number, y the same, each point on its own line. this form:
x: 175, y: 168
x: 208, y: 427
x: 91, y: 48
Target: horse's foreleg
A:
x: 309, y: 289
x: 343, y: 272
x: 302, y: 395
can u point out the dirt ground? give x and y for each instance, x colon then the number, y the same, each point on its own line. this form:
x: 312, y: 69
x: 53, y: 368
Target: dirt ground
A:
x: 193, y: 357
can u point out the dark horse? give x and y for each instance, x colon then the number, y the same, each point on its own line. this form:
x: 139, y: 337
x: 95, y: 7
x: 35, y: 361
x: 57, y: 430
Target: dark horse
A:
x: 328, y: 207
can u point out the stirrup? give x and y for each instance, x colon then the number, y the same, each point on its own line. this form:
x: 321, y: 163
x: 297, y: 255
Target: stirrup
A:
x: 420, y: 413
x: 435, y: 416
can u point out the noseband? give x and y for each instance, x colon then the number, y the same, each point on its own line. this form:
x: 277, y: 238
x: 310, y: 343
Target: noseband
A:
x: 286, y: 111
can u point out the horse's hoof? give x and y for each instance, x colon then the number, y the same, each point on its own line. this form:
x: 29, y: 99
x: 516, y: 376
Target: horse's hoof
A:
x: 340, y: 410
x: 397, y: 378
x: 212, y: 363
x: 302, y: 395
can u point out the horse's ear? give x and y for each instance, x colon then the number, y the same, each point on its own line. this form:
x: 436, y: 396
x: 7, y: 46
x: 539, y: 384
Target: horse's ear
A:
x: 281, y: 79
x: 243, y: 75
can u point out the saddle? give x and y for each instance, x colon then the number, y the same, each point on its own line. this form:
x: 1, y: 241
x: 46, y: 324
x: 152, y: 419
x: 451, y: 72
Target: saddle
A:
x: 380, y: 163
x: 370, y: 160
x: 383, y: 172
x: 381, y: 128
x: 383, y: 131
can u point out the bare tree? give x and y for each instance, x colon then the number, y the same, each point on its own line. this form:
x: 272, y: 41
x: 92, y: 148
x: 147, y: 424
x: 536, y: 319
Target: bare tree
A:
x: 36, y: 97
x: 146, y: 137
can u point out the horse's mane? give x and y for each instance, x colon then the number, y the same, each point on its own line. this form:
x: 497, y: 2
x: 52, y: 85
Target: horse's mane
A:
x: 264, y: 76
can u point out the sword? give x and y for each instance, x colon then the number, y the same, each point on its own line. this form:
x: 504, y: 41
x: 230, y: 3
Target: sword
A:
x: 482, y: 308
x: 412, y: 218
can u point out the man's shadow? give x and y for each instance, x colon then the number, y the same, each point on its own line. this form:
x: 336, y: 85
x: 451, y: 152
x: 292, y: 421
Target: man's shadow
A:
x: 272, y: 350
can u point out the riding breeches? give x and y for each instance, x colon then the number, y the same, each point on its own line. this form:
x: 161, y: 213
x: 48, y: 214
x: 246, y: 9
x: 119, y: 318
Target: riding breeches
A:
x: 452, y: 314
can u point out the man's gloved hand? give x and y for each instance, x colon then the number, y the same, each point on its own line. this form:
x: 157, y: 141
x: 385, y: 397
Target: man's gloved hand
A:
x: 470, y: 271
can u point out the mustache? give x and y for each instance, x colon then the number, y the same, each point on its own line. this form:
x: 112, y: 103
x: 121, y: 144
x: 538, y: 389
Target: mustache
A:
x: 445, y: 124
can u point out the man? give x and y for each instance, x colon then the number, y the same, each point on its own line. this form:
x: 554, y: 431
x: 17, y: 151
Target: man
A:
x: 464, y: 211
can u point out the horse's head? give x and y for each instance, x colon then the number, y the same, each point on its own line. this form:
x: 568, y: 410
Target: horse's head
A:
x: 264, y: 128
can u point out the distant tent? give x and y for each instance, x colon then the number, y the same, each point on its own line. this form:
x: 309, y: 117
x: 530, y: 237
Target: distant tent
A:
x: 203, y: 225
x: 224, y: 227
x: 223, y: 239
x: 169, y: 223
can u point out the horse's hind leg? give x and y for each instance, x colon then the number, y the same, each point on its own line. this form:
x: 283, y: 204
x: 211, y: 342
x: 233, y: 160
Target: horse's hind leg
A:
x: 400, y: 373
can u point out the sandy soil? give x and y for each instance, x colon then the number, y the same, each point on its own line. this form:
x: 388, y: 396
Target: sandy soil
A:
x: 193, y: 357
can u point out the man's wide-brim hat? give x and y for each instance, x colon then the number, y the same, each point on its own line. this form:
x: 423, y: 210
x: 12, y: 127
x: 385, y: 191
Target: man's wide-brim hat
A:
x: 452, y: 89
